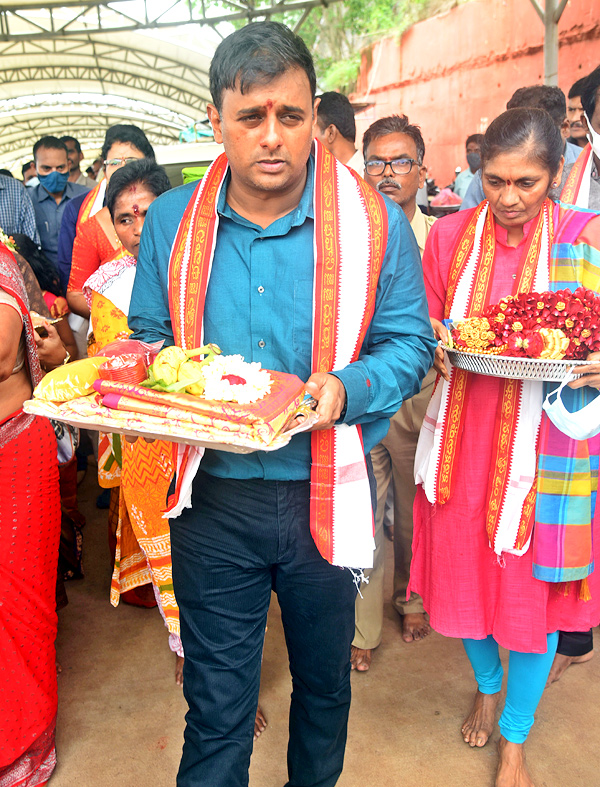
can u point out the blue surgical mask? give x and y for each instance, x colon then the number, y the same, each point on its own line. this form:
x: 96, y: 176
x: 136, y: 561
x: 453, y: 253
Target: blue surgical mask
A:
x: 579, y: 425
x: 54, y: 182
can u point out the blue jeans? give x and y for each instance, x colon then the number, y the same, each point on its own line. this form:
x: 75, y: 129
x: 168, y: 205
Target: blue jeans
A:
x: 527, y: 676
x: 241, y: 540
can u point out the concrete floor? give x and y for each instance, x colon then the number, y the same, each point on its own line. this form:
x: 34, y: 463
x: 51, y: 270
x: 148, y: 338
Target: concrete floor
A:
x: 121, y: 716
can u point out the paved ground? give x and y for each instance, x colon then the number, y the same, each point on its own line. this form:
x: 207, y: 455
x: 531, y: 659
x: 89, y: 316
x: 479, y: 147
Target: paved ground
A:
x: 121, y: 715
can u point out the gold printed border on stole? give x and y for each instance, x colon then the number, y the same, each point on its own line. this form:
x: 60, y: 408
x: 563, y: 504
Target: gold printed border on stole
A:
x: 507, y: 418
x: 571, y: 188
x: 377, y: 218
x: 460, y: 379
x: 326, y: 294
x: 202, y: 227
x: 460, y: 257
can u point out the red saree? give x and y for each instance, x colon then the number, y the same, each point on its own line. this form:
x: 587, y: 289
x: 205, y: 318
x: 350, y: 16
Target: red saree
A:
x: 29, y: 534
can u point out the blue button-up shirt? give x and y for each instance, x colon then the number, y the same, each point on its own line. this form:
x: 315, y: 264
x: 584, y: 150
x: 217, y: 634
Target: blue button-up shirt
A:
x: 259, y: 304
x: 16, y: 211
x: 48, y: 214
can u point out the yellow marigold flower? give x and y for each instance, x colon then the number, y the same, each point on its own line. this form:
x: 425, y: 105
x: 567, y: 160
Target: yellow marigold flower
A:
x: 585, y: 333
x: 517, y: 326
x: 540, y: 304
x: 500, y: 317
x: 561, y: 305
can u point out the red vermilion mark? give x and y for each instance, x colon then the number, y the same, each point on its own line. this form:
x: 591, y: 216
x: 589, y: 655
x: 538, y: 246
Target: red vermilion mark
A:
x: 269, y: 104
x: 136, y: 210
x: 233, y: 379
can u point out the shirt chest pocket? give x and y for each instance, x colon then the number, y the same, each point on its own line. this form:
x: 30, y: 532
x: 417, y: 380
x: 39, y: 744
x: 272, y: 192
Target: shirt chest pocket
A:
x: 302, y: 325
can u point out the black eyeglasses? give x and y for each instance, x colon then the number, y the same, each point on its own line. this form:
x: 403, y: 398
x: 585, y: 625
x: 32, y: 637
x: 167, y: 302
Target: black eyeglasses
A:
x: 399, y: 166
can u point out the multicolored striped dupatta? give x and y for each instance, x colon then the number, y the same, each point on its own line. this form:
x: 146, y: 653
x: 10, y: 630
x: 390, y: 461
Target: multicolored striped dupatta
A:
x: 552, y: 497
x: 349, y: 245
x: 567, y: 476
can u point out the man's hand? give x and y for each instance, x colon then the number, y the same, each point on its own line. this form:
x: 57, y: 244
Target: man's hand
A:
x: 441, y: 332
x: 330, y: 394
x: 588, y: 375
x: 50, y: 349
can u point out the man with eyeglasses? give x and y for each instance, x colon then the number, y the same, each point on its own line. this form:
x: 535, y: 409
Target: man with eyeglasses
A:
x: 51, y: 196
x: 394, y: 151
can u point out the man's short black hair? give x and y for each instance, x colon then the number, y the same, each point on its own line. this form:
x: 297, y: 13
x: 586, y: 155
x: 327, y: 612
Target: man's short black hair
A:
x: 395, y: 124
x: 589, y: 95
x: 577, y: 88
x: 477, y: 138
x: 257, y: 54
x: 125, y: 132
x: 52, y: 143
x: 547, y: 97
x: 75, y: 142
x: 336, y: 109
x: 143, y: 172
x: 25, y: 167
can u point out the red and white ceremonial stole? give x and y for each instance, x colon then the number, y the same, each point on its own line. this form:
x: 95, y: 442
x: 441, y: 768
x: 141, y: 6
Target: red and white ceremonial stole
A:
x: 349, y: 245
x: 576, y: 190
x: 511, y: 486
x: 92, y: 203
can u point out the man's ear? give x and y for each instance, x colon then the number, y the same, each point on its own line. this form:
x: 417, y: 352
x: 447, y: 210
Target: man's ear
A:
x: 215, y: 122
x: 331, y: 133
x: 422, y: 176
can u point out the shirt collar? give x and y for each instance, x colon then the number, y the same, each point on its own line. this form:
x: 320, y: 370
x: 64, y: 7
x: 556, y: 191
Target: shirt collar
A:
x: 295, y: 218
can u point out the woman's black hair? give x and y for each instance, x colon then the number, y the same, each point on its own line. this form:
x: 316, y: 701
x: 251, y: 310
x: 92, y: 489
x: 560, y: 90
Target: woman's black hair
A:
x: 124, y: 132
x: 591, y: 92
x: 528, y: 128
x: 44, y: 269
x: 143, y: 172
x: 257, y: 54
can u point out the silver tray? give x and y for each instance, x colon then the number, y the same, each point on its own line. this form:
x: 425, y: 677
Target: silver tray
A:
x: 514, y: 368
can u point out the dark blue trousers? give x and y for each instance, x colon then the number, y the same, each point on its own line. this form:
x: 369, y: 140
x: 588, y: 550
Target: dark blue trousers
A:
x: 240, y: 541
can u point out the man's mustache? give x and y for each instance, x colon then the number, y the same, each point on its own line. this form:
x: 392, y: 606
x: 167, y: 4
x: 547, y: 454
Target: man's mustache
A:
x: 388, y: 182
x: 577, y: 124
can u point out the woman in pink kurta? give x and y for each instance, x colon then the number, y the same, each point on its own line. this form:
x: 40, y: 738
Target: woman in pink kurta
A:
x: 467, y: 589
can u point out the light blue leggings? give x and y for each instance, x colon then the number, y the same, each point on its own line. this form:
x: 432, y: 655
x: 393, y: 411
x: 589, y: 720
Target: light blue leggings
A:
x: 527, y: 675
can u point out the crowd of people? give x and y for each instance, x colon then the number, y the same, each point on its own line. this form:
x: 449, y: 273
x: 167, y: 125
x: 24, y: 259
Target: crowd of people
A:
x: 299, y: 250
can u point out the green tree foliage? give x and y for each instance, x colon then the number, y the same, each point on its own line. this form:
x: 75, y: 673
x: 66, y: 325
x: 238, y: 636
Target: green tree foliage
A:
x: 336, y: 34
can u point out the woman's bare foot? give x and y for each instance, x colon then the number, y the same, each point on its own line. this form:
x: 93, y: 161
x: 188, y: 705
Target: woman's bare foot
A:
x: 414, y: 626
x: 479, y: 724
x: 561, y: 663
x: 260, y: 723
x: 179, y: 670
x: 360, y: 659
x: 512, y: 770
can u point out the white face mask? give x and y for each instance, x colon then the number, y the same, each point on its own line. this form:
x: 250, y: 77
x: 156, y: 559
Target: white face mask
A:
x: 583, y: 424
x: 593, y: 137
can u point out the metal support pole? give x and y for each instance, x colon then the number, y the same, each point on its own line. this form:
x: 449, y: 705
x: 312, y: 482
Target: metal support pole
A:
x: 551, y: 43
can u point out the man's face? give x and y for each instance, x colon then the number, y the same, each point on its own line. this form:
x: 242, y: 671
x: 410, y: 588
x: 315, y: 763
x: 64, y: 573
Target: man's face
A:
x: 49, y: 159
x: 29, y: 173
x: 595, y: 119
x: 73, y: 156
x: 267, y: 132
x: 574, y: 114
x: 401, y: 188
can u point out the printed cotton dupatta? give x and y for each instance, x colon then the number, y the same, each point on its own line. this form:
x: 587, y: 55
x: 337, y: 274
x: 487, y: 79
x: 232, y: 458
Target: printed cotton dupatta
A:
x: 349, y: 245
x: 522, y: 455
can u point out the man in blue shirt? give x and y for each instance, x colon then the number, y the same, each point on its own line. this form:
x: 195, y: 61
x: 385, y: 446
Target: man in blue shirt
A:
x: 548, y: 97
x: 16, y: 210
x: 51, y: 195
x: 248, y: 531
